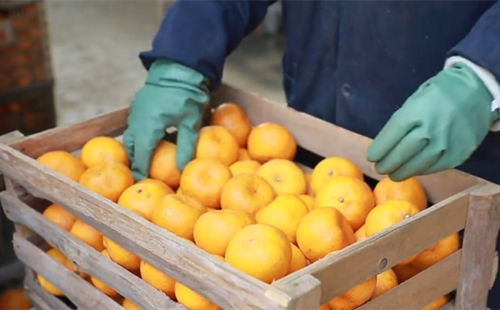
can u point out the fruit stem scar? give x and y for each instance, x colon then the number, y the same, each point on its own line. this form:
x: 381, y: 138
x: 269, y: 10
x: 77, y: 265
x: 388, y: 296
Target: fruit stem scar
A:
x: 277, y: 179
x: 341, y: 199
x: 330, y: 172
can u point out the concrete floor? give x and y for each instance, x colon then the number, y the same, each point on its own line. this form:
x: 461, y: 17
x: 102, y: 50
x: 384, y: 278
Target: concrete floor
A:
x: 95, y: 46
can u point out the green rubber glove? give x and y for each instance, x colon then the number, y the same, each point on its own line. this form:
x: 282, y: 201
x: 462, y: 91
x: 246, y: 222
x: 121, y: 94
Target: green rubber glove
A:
x: 437, y: 128
x: 173, y: 95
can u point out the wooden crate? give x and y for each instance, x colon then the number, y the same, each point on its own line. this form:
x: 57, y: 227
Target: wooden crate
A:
x: 24, y: 44
x: 461, y: 202
x: 11, y: 269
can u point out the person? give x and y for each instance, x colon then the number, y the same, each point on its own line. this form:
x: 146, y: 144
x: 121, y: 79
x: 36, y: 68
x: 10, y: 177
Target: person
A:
x: 420, y: 77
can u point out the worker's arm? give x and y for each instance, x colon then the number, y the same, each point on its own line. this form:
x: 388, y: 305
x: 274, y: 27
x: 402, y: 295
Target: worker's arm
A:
x: 201, y: 34
x: 448, y: 117
x: 480, y: 50
x: 184, y: 65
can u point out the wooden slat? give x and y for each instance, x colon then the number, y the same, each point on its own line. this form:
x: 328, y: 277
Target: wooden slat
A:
x: 326, y: 139
x: 377, y: 253
x: 440, y: 279
x: 204, y: 273
x: 478, y: 249
x: 72, y: 137
x: 40, y: 298
x: 92, y: 262
x: 81, y: 293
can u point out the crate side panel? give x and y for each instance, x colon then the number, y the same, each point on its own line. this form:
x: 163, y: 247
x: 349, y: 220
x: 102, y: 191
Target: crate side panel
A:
x: 71, y: 138
x: 215, y: 280
x: 40, y: 298
x: 88, y: 260
x: 82, y: 293
x: 377, y: 253
x: 427, y: 286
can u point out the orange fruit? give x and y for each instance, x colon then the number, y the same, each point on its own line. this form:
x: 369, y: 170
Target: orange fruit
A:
x: 386, y: 281
x: 128, y: 304
x: 409, y: 189
x: 360, y: 234
x: 234, y: 119
x: 284, y: 176
x: 351, y: 196
x: 269, y: 141
x: 308, y: 200
x: 331, y: 167
x: 284, y: 212
x: 153, y: 181
x: 142, y: 198
x: 108, y: 179
x: 405, y: 272
x: 121, y: 256
x: 158, y: 279
x: 203, y: 179
x: 193, y: 300
x: 354, y: 297
x: 244, y: 166
x: 64, y: 163
x: 438, y: 303
x: 324, y: 307
x: 102, y: 149
x: 14, y: 299
x: 87, y: 234
x: 243, y: 154
x: 323, y: 231
x: 216, y: 142
x: 437, y: 252
x: 103, y: 287
x: 178, y: 214
x: 59, y: 216
x: 298, y: 260
x: 260, y: 250
x: 246, y: 192
x: 164, y: 166
x: 59, y: 257
x: 214, y: 229
x: 69, y: 264
x: 387, y: 214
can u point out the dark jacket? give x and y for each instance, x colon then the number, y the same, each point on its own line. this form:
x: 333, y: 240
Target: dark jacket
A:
x: 352, y: 63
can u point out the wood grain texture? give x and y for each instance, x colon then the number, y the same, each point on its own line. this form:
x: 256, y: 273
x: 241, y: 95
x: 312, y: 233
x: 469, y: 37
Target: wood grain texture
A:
x: 81, y: 293
x: 375, y: 254
x: 479, y: 243
x: 213, y: 279
x: 72, y: 137
x: 440, y: 279
x: 39, y: 297
x: 87, y: 259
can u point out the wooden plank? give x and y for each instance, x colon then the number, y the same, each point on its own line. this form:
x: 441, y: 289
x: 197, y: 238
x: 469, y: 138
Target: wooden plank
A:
x: 478, y: 248
x: 72, y: 137
x: 87, y: 259
x: 421, y: 289
x: 81, y: 293
x: 207, y: 275
x: 40, y: 298
x: 377, y: 253
x: 331, y: 140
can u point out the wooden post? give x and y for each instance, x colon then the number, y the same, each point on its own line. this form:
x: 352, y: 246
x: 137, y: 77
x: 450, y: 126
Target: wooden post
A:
x: 478, y: 250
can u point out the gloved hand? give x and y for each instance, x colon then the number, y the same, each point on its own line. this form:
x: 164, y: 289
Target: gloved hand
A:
x: 437, y: 128
x: 173, y: 95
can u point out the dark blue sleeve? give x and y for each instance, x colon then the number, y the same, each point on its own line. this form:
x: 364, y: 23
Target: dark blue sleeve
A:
x: 201, y: 34
x: 482, y: 44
